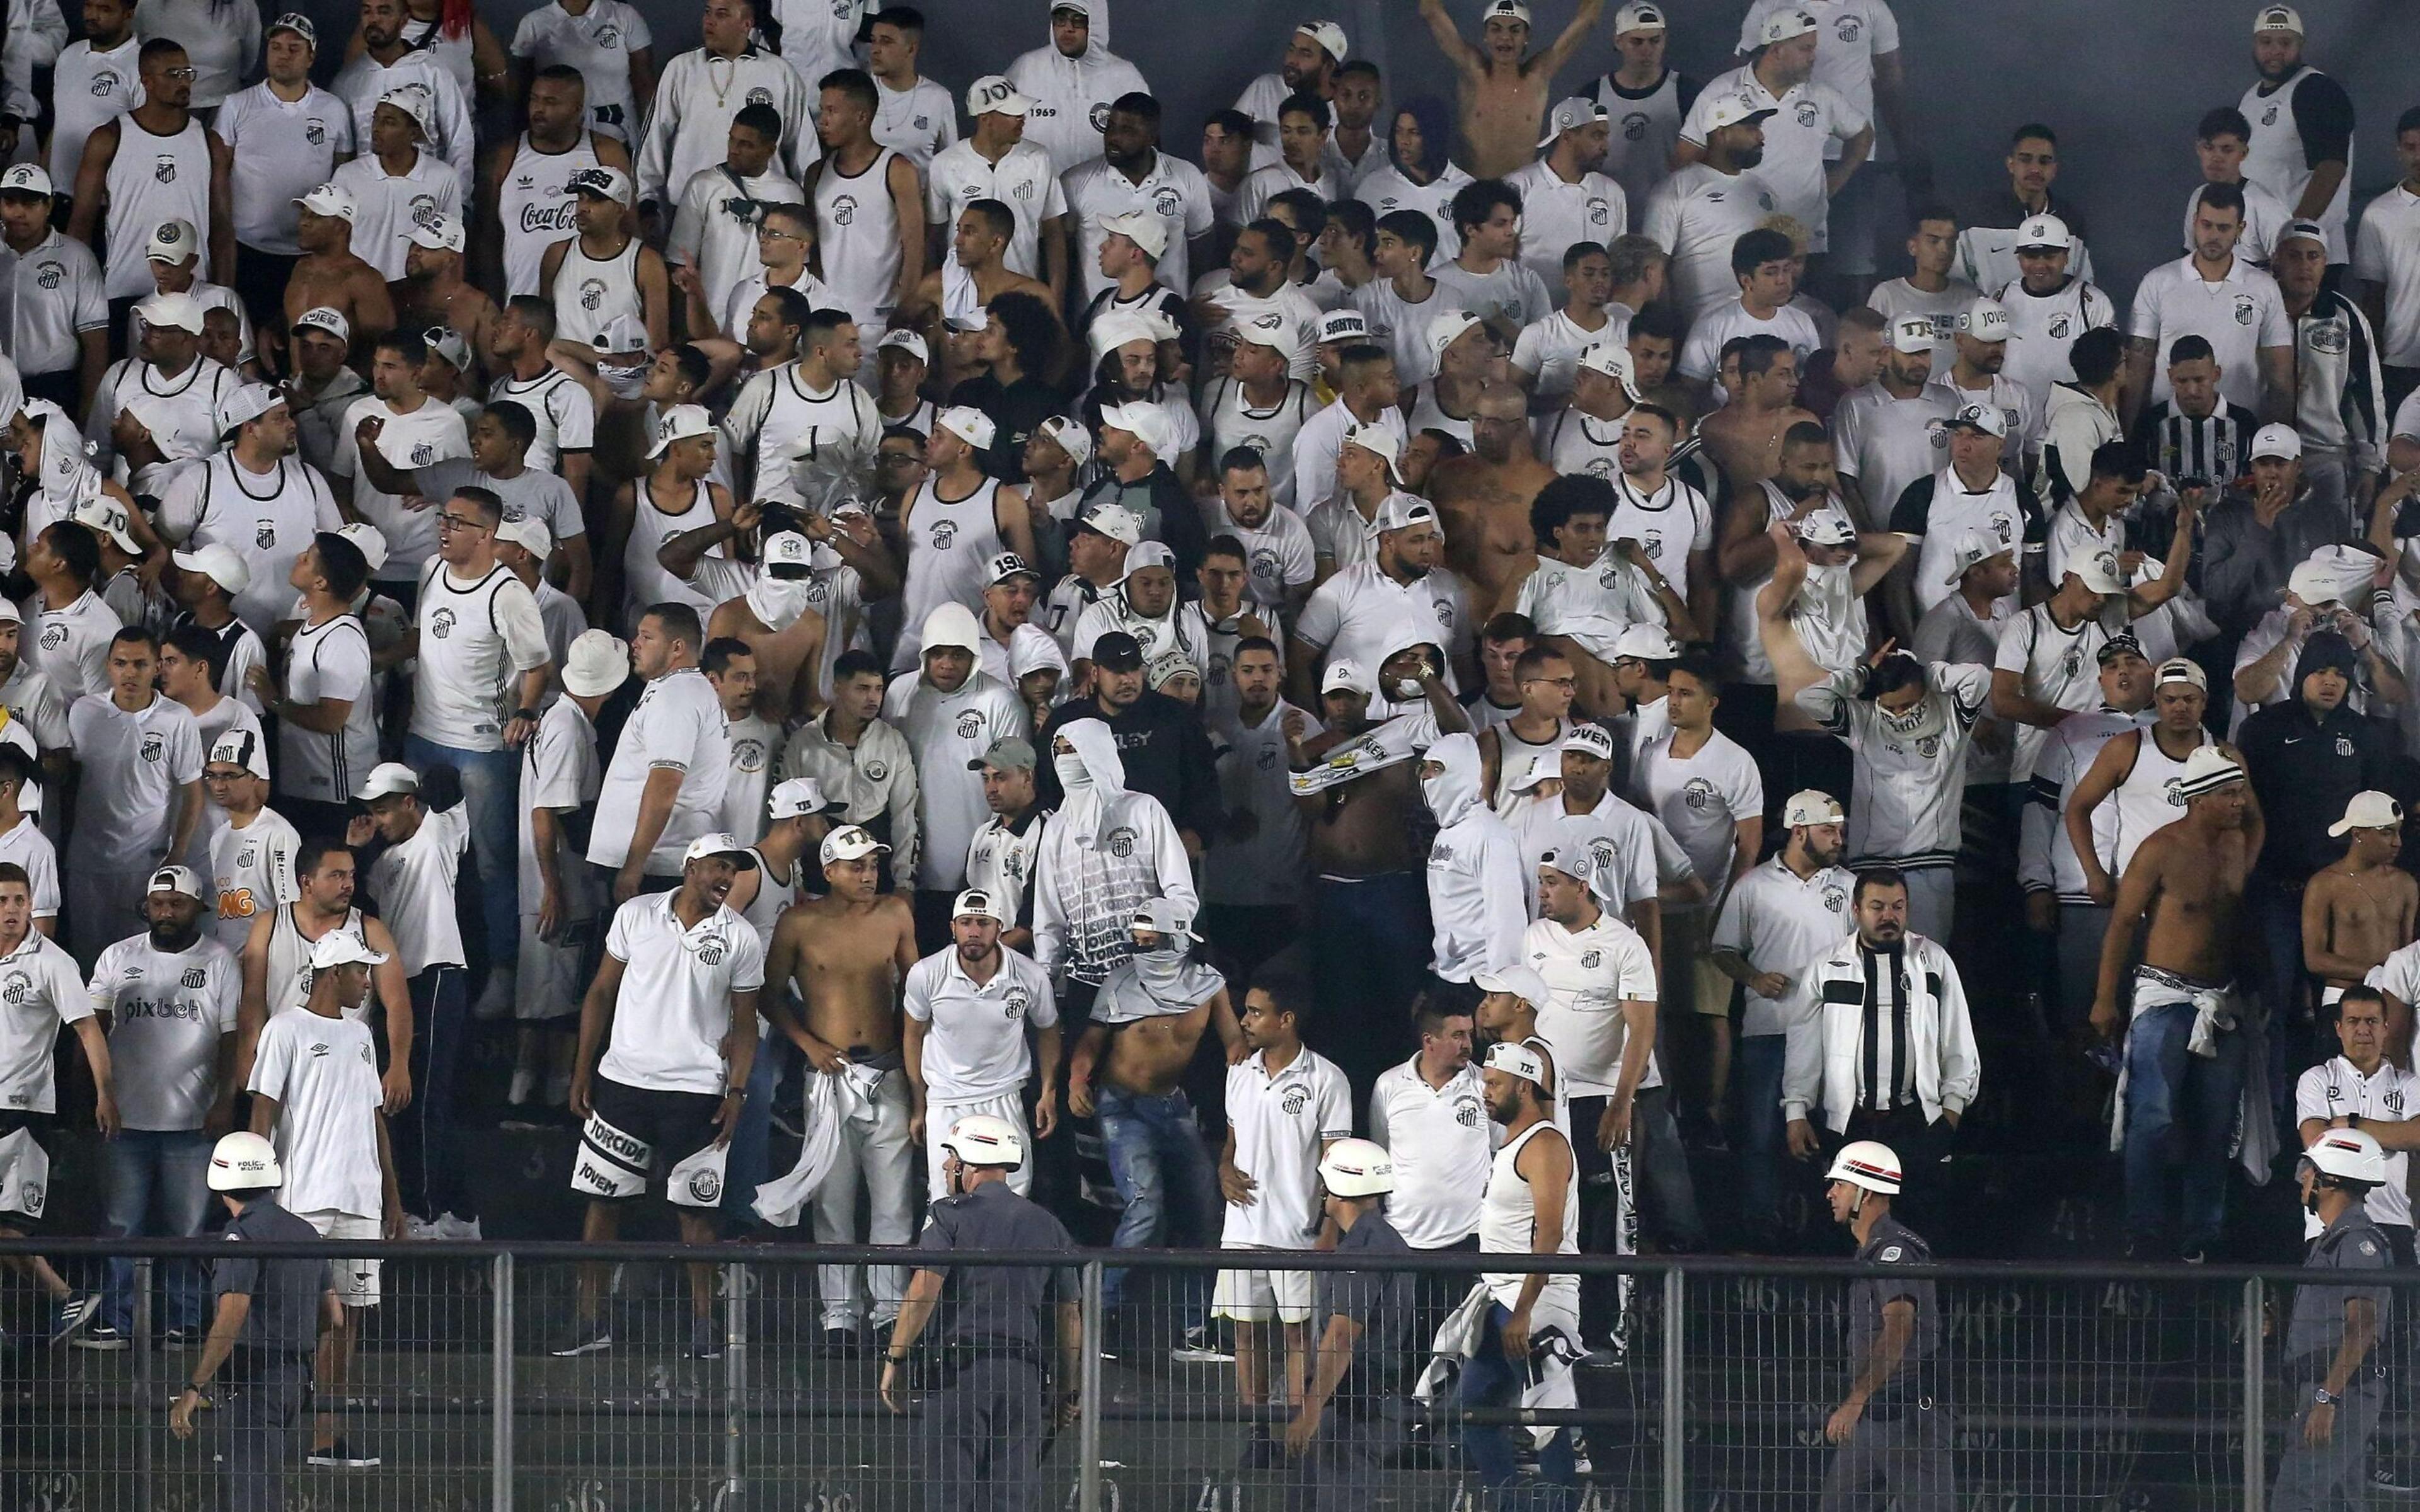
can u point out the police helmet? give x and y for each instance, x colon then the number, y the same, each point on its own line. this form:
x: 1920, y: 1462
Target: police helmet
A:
x: 1868, y: 1164
x: 244, y: 1162
x: 1358, y: 1168
x: 982, y: 1140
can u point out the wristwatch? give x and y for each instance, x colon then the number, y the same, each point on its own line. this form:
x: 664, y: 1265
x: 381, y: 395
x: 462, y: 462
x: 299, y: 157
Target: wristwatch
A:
x: 525, y: 714
x: 2321, y: 1396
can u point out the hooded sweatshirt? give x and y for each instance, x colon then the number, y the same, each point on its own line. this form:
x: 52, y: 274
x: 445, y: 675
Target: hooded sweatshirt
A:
x: 1107, y: 852
x: 946, y: 731
x: 1476, y: 897
x: 1071, y: 95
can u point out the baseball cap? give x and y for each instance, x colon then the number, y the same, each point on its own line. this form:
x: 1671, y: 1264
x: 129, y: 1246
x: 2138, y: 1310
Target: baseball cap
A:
x: 344, y: 947
x: 790, y: 551
x: 2098, y: 570
x: 1402, y: 511
x: 298, y: 24
x: 908, y: 341
x: 1145, y: 422
x: 244, y: 749
x: 2277, y: 440
x: 2044, y: 231
x: 678, y: 423
x: 1384, y: 440
x: 1986, y: 319
x: 1912, y: 333
x: 248, y: 403
x: 993, y: 95
x: 1009, y: 753
x: 1117, y: 651
x: 848, y: 843
x: 2293, y: 231
x: 331, y: 199
x: 24, y: 179
x: 1114, y: 520
x: 1330, y: 35
x: 1638, y: 16
x: 182, y: 311
x: 1505, y: 10
x: 218, y: 563
x: 603, y: 183
x: 1976, y: 546
x: 1165, y: 915
x: 1612, y: 360
x: 1733, y: 110
x: 2368, y: 811
x: 413, y: 100
x: 530, y: 533
x: 2277, y: 18
x: 368, y: 540
x: 172, y: 242
x: 1148, y: 555
x: 181, y: 879
x: 1646, y: 642
x: 722, y: 843
x: 2207, y: 769
x: 595, y: 663
x: 439, y: 233
x: 2121, y: 645
x: 970, y: 424
x: 1516, y: 1059
x: 1827, y: 527
x: 387, y: 779
x: 974, y: 903
x: 1987, y: 418
x: 1811, y: 806
x: 622, y: 336
x: 1447, y: 328
x: 1542, y: 768
x: 1342, y: 325
x: 449, y: 345
x: 1571, y: 114
x: 1119, y: 328
x: 1346, y: 674
x: 1146, y: 231
x: 1784, y: 25
x: 320, y: 317
x: 799, y: 796
x: 1590, y: 740
x: 107, y: 515
x: 1081, y: 8
x: 1069, y: 436
x: 1007, y: 565
x: 2180, y: 670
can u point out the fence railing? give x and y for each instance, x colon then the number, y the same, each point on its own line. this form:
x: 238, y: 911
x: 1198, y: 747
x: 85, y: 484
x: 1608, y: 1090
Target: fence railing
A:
x: 742, y: 1376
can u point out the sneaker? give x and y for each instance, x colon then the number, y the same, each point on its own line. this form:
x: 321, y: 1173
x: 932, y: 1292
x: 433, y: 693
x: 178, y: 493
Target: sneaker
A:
x: 583, y: 1339
x: 704, y: 1341
x: 342, y: 1456
x: 71, y: 1313
x: 2393, y: 1480
x: 1199, y: 1347
x: 99, y: 1337
x: 525, y: 1086
x: 449, y: 1227
x: 497, y: 999
x: 180, y: 1339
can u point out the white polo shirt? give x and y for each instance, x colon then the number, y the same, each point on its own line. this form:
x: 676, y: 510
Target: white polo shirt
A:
x: 1363, y: 614
x: 674, y: 1006
x: 1174, y: 191
x: 2336, y: 1088
x: 1555, y: 215
x: 1591, y: 973
x: 168, y: 1012
x: 54, y: 296
x: 1022, y: 179
x: 1779, y: 922
x: 1281, y: 1124
x: 2385, y: 252
x: 678, y: 726
x: 1441, y: 1140
x: 414, y: 883
x: 2239, y: 315
x: 39, y: 991
x: 390, y: 205
x: 974, y: 1044
x: 1799, y: 137
x: 323, y: 1072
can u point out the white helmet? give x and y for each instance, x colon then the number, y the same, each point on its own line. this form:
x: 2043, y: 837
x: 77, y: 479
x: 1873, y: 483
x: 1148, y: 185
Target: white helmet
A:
x: 982, y: 1140
x: 1868, y: 1164
x: 2348, y: 1156
x: 243, y: 1163
x: 1358, y: 1168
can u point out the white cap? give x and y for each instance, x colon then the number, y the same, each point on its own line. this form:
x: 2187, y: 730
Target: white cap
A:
x: 1638, y: 16
x: 1811, y: 806
x: 788, y: 548
x: 1977, y: 545
x: 1165, y: 915
x: 1592, y: 740
x: 1006, y: 565
x: 1827, y: 527
x: 1516, y: 1059
x: 447, y: 345
x: 182, y: 311
x: 172, y: 242
x: 601, y: 181
x: 1145, y: 422
x: 1356, y: 1168
x: 9, y: 612
x: 1143, y: 229
x: 722, y: 843
x: 2369, y: 811
x: 1114, y: 520
x: 244, y: 1162
x: 1912, y: 333
x: 1382, y: 439
x: 24, y: 179
x: 2348, y: 1156
x: 2279, y: 441
x: 1448, y: 328
x: 106, y: 515
x: 1504, y: 10
x: 182, y: 880
x: 799, y: 796
x: 1613, y: 359
x: 2207, y: 769
x: 1784, y: 25
x: 344, y: 947
x: 975, y: 903
x: 595, y: 663
x: 244, y: 749
x: 1542, y: 768
x: 1647, y: 642
x: 320, y: 317
x: 441, y: 232
x: 1069, y: 436
x: 248, y: 403
x: 1330, y: 35
x: 2044, y: 231
x: 331, y: 199
x: 1868, y: 1164
x: 1345, y: 674
x: 908, y: 341
x: 2180, y: 670
x: 300, y: 24
x: 387, y: 779
x: 848, y: 843
x: 368, y: 540
x: 1522, y: 981
x: 986, y: 1138
x: 1989, y: 419
x: 416, y: 103
x: 993, y: 95
x: 678, y: 423
x: 1986, y: 319
x: 2298, y: 231
x: 623, y: 336
x: 1569, y: 115
x: 2277, y: 18
x: 217, y: 561
x: 970, y: 424
x: 1144, y: 554
x: 529, y: 533
x: 2098, y: 570
x: 1732, y: 109
x: 1342, y: 325
x: 1401, y: 512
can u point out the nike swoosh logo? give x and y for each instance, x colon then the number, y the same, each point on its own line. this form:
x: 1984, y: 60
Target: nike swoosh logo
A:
x: 2293, y: 740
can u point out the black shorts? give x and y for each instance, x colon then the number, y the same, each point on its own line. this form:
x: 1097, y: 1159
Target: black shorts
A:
x: 25, y: 1139
x: 634, y: 1132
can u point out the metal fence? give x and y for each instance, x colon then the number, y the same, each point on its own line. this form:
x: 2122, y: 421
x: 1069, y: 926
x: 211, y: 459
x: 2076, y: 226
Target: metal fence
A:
x: 2059, y: 1387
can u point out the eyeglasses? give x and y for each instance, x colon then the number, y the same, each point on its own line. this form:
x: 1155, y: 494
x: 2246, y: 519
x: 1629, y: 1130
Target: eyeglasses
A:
x: 1568, y: 684
x: 766, y: 232
x: 188, y: 75
x: 459, y: 522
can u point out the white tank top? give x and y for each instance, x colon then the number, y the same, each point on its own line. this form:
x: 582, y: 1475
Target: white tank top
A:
x: 589, y: 293
x: 2274, y: 158
x: 1507, y: 1222
x: 1576, y: 443
x: 950, y: 548
x: 1514, y: 757
x: 859, y: 227
x: 151, y: 180
x: 289, y: 982
x: 459, y: 695
x: 1645, y: 131
x: 650, y: 528
x: 535, y: 207
x: 773, y: 894
x: 2147, y: 800
x: 1234, y: 422
x: 269, y: 523
x: 796, y: 423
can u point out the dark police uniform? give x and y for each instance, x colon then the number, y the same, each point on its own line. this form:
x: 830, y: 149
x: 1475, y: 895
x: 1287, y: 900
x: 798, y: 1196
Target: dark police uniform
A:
x: 2312, y: 1478
x: 1902, y: 1445
x: 1365, y: 1423
x: 267, y: 1381
x: 989, y: 1418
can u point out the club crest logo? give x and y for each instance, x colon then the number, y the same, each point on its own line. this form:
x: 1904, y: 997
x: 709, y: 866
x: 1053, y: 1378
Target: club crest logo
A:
x: 944, y: 534
x: 1294, y: 1101
x: 1122, y: 842
x: 196, y: 977
x: 748, y: 755
x: 712, y: 949
x: 49, y: 275
x: 2244, y: 309
x: 154, y: 746
x: 1633, y: 127
x: 163, y: 169
x: 264, y: 535
x: 1699, y: 794
x: 844, y: 209
x: 441, y: 624
x: 592, y: 294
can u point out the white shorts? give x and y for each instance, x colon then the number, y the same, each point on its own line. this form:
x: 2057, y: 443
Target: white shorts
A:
x: 941, y: 1115
x: 354, y: 1282
x: 25, y: 1172
x: 1253, y: 1296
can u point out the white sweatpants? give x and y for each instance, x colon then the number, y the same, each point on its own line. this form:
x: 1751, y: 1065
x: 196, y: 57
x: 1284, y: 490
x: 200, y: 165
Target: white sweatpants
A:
x: 882, y: 1160
x: 939, y: 1115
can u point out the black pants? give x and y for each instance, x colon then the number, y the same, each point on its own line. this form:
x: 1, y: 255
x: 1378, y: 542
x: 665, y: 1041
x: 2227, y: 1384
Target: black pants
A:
x: 63, y: 387
x: 2400, y: 382
x: 267, y: 1395
x: 260, y: 280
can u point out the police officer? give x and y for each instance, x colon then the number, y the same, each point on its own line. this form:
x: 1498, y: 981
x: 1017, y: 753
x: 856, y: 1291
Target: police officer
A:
x: 266, y: 1328
x: 2335, y: 1376
x: 1892, y: 1429
x: 1344, y: 1434
x: 991, y: 1418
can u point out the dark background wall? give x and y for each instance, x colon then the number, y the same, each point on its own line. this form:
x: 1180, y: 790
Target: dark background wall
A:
x: 2122, y: 82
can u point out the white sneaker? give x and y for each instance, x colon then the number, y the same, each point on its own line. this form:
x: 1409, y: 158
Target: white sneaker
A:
x: 525, y: 1086
x: 449, y: 1227
x: 421, y: 1228
x: 496, y: 1001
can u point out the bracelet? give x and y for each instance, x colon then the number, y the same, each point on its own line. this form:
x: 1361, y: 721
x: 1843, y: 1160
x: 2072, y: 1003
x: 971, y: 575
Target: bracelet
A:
x: 896, y: 1359
x: 525, y: 714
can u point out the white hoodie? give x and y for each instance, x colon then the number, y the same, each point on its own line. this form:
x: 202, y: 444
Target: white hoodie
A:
x: 946, y: 731
x: 1107, y: 852
x: 1071, y: 96
x: 1475, y: 891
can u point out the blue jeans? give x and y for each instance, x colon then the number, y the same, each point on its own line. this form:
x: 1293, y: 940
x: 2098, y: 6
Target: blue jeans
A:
x: 1760, y: 1062
x: 491, y: 781
x: 751, y: 1158
x: 148, y: 1172
x: 1489, y: 1380
x: 428, y: 1166
x: 1158, y: 1161
x: 2180, y: 1110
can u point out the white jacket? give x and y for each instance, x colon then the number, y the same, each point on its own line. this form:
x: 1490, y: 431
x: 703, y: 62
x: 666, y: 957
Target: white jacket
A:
x: 1072, y: 96
x: 1827, y: 1022
x: 1108, y: 851
x: 1475, y: 898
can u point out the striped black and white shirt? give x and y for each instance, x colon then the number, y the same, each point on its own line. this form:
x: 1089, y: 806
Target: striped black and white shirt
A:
x: 2216, y: 448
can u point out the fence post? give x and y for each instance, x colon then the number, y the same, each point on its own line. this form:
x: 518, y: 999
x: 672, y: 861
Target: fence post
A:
x: 1088, y: 1415
x: 146, y: 1390
x: 1675, y: 1385
x: 500, y: 1384
x: 734, y: 1374
x: 2255, y: 1386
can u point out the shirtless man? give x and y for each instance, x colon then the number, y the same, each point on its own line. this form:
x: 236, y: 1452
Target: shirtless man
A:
x: 328, y: 275
x: 277, y: 964
x: 432, y: 291
x: 975, y: 272
x: 1485, y: 498
x: 1744, y: 435
x: 2189, y: 879
x: 779, y: 624
x: 2359, y: 910
x: 1502, y: 94
x: 846, y: 954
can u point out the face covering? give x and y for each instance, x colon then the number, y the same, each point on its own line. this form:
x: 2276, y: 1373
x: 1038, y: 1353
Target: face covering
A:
x: 1161, y: 971
x: 623, y: 382
x: 1919, y: 723
x: 1432, y: 791
x: 1072, y: 771
x: 779, y: 601
x: 1825, y: 617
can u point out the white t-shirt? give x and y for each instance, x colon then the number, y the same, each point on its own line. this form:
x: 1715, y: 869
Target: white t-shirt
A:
x: 1695, y: 215
x: 678, y: 726
x: 168, y: 1012
x: 323, y: 1072
x: 1591, y: 973
x: 1174, y: 189
x: 431, y: 434
x: 2337, y: 1089
x: 25, y: 845
x: 2059, y: 667
x: 39, y: 991
x: 282, y: 151
x: 1441, y: 1141
x: 675, y: 1003
x: 564, y: 413
x: 2386, y: 251
x: 1281, y: 1124
x: 1549, y: 350
x: 1802, y: 134
x: 974, y: 1044
x: 598, y: 43
x: 1714, y: 328
x: 253, y: 869
x: 1702, y: 800
x: 1022, y: 180
x: 134, y: 765
x: 559, y: 771
x: 414, y: 883
x: 389, y: 207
